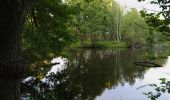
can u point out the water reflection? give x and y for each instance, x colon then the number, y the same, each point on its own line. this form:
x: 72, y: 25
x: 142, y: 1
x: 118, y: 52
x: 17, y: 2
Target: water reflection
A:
x: 87, y: 74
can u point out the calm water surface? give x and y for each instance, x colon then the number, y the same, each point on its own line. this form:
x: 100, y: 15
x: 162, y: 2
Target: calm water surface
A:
x: 99, y: 75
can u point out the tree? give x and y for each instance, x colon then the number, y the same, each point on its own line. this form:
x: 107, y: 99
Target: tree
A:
x: 40, y: 16
x: 97, y: 17
x: 12, y: 17
x: 132, y: 33
x: 46, y: 30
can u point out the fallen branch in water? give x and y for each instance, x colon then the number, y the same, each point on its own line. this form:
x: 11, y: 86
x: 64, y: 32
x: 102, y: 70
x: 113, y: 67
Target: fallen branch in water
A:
x: 147, y: 64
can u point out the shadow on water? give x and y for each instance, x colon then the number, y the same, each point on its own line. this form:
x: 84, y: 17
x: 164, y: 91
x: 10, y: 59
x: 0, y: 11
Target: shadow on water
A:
x: 86, y: 75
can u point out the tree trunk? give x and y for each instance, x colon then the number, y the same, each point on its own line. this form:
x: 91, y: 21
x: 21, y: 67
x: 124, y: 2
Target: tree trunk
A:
x: 9, y: 89
x: 12, y: 14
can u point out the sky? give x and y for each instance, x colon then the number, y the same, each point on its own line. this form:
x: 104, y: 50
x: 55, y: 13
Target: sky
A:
x: 127, y: 4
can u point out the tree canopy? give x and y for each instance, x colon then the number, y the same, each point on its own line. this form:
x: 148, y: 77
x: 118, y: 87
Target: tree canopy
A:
x: 46, y: 29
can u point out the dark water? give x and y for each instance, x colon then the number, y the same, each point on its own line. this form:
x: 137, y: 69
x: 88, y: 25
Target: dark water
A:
x: 96, y: 75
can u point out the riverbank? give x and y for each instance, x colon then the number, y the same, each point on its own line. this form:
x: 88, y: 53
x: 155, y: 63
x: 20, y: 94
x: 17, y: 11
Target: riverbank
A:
x: 99, y: 44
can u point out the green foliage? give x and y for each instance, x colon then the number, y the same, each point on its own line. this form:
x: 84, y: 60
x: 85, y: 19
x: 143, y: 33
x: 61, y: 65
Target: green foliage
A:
x: 131, y: 32
x: 164, y: 87
x: 158, y: 20
x: 97, y: 16
x: 106, y: 17
x: 52, y: 25
x: 46, y: 30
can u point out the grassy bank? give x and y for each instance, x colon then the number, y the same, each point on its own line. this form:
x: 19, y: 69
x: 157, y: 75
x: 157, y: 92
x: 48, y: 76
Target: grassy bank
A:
x: 99, y: 44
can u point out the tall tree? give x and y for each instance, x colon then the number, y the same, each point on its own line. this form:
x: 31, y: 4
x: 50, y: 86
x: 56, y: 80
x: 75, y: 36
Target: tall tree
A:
x: 12, y: 15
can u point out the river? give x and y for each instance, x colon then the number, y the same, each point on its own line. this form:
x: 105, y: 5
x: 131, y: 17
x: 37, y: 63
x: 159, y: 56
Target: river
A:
x: 99, y: 74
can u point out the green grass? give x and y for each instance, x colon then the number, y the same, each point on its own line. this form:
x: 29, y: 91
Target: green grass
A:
x: 99, y: 44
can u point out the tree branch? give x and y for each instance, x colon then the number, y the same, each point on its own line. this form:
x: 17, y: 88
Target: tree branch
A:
x: 145, y: 27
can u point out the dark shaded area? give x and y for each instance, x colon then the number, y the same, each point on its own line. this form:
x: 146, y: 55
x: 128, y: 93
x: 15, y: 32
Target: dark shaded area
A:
x: 10, y: 88
x: 12, y: 65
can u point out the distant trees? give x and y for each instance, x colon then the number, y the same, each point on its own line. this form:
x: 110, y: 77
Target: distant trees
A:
x: 97, y: 17
x: 106, y: 20
x: 131, y: 29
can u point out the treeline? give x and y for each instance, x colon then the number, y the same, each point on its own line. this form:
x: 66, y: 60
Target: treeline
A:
x: 96, y: 17
x: 107, y: 20
x: 52, y: 25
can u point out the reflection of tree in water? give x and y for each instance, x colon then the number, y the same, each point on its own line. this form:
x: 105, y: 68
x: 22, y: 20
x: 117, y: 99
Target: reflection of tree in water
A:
x: 88, y: 74
x: 114, y: 66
